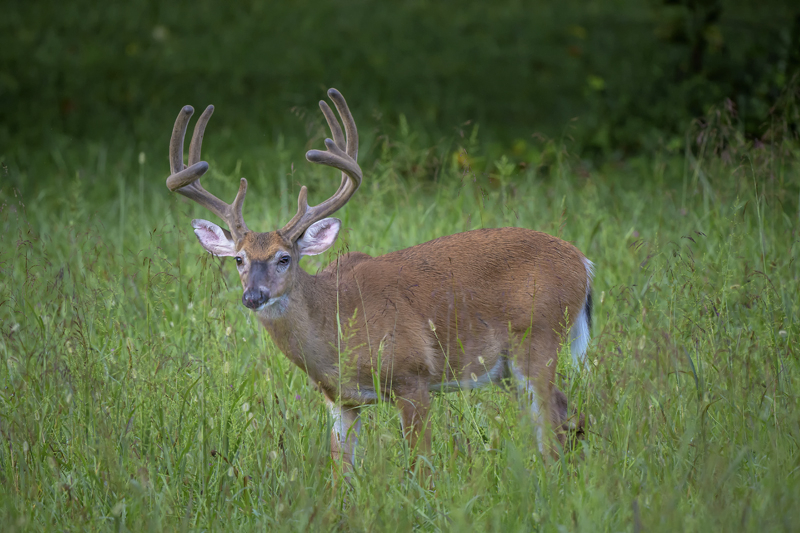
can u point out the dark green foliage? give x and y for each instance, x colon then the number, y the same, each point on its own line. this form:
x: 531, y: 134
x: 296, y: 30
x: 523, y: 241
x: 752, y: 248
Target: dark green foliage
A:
x: 633, y: 73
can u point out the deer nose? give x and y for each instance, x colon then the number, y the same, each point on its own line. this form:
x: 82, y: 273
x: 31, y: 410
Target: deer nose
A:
x: 255, y: 297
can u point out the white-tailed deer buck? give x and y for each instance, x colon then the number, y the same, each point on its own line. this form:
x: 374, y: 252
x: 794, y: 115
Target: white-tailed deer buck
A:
x: 464, y: 310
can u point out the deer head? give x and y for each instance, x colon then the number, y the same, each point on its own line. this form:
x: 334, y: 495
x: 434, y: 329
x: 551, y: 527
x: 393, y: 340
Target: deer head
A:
x: 268, y: 262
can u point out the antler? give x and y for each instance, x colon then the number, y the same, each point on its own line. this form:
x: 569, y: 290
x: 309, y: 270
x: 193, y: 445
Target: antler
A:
x: 342, y: 153
x: 186, y: 180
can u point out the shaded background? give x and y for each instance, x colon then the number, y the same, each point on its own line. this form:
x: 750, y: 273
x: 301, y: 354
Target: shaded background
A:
x: 617, y: 77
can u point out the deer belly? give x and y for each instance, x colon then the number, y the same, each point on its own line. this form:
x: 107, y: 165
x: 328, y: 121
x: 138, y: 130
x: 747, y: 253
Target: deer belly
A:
x: 474, y: 380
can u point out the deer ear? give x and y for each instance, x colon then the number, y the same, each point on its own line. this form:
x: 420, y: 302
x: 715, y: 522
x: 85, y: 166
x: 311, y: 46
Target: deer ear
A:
x: 213, y: 238
x: 319, y: 236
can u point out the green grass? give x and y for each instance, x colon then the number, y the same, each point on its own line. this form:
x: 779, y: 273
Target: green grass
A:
x: 137, y: 393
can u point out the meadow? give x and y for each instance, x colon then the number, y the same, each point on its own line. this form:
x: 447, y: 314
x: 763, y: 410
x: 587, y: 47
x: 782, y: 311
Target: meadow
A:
x: 138, y: 394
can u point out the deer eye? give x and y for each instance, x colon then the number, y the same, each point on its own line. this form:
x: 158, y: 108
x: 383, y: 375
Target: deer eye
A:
x: 238, y: 261
x: 284, y: 260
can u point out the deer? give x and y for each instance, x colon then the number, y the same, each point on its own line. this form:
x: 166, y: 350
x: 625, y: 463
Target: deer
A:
x: 482, y: 307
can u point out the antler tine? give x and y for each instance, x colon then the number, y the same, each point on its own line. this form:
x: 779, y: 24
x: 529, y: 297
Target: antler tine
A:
x: 181, y: 175
x: 176, y: 141
x: 340, y: 155
x: 350, y: 145
x: 349, y: 123
x: 338, y: 136
x: 197, y: 136
x: 186, y: 180
x: 333, y: 124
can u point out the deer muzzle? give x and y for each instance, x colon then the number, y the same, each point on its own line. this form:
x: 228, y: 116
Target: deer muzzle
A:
x: 255, y: 297
x: 256, y: 291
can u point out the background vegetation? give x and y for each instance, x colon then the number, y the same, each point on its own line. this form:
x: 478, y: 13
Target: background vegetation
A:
x: 631, y: 74
x: 136, y: 393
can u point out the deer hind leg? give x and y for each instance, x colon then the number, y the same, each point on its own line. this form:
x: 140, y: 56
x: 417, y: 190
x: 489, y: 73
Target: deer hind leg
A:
x: 534, y: 371
x: 344, y: 435
x: 572, y: 424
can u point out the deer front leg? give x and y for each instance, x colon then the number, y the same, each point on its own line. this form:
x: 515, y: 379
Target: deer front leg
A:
x: 414, y: 406
x: 344, y: 436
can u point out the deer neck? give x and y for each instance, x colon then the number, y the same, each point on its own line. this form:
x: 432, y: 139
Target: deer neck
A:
x: 303, y: 326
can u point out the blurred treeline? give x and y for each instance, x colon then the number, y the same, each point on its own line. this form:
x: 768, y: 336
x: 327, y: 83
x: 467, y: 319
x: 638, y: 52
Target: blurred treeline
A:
x: 616, y: 77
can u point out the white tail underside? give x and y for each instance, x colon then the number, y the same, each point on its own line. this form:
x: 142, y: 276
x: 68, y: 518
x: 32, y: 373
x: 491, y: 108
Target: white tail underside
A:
x: 579, y: 334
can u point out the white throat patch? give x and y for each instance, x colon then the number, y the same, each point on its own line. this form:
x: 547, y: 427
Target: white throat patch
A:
x: 274, y: 308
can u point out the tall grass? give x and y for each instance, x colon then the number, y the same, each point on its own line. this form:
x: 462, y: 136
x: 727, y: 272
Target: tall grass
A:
x: 138, y: 394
